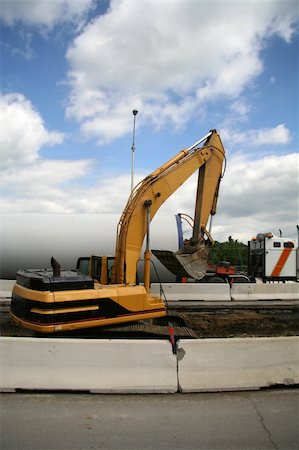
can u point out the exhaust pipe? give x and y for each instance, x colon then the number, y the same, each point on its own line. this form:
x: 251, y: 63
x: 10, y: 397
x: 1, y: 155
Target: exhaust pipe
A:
x: 56, y: 267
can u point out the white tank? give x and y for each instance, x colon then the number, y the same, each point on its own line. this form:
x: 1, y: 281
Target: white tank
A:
x: 29, y: 240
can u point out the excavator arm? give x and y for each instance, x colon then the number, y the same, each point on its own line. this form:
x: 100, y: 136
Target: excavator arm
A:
x: 207, y: 155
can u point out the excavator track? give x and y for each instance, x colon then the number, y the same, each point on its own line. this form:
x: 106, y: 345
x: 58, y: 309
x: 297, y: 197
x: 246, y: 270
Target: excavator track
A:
x: 132, y: 330
x: 150, y: 331
x: 191, y: 320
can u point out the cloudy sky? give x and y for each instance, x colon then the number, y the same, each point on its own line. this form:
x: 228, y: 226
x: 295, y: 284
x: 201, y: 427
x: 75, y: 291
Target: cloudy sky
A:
x: 72, y: 71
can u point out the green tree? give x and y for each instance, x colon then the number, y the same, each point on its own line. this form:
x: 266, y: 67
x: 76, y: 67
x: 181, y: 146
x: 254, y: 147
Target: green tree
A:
x: 231, y: 251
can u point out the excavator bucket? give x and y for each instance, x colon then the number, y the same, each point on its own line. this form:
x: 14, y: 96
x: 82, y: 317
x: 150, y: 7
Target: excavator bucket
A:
x: 190, y: 265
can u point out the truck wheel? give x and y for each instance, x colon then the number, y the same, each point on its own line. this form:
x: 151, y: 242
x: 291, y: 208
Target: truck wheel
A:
x: 241, y: 280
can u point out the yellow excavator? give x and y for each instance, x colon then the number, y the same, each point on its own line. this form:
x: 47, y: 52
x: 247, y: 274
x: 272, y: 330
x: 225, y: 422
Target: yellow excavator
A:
x: 104, y: 291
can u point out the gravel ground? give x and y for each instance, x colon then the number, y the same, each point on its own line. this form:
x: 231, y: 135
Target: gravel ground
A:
x: 220, y: 323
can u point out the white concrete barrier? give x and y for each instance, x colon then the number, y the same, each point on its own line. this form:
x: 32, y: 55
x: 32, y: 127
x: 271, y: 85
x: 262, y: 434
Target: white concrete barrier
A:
x: 147, y: 366
x: 6, y: 287
x: 193, y: 291
x: 237, y: 363
x: 265, y: 291
x: 118, y: 366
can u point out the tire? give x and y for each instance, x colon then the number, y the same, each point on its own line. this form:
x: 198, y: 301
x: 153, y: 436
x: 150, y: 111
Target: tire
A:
x: 241, y: 280
x: 215, y: 280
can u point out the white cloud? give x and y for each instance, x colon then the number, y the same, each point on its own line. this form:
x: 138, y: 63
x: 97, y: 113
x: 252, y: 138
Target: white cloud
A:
x: 54, y: 186
x: 43, y: 12
x: 240, y: 108
x: 260, y: 195
x: 257, y: 137
x: 273, y: 136
x: 43, y: 186
x: 132, y: 57
x: 255, y: 196
x: 27, y: 182
x: 168, y: 58
x: 22, y: 131
x: 40, y: 175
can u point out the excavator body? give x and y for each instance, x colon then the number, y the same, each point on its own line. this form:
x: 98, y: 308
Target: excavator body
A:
x: 104, y: 290
x: 48, y: 302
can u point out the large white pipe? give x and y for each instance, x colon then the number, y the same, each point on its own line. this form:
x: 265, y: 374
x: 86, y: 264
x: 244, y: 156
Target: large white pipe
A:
x: 29, y: 240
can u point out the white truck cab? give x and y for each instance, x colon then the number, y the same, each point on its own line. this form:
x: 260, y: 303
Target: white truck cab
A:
x: 273, y: 258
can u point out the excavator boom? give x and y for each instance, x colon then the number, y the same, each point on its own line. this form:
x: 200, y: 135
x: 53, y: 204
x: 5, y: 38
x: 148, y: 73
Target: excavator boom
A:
x: 156, y: 188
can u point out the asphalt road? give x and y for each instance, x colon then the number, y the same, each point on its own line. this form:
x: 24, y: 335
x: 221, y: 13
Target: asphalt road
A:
x: 241, y: 420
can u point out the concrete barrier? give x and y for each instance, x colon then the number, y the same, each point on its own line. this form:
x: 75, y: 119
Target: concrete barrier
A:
x: 265, y: 291
x: 6, y: 287
x: 193, y: 291
x: 104, y: 366
x: 237, y: 363
x: 147, y: 366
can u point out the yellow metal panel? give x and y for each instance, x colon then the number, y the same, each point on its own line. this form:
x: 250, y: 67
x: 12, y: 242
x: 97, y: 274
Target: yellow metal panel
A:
x: 101, y: 292
x: 64, y: 310
x: 132, y: 298
x: 80, y: 294
x: 135, y: 298
x: 108, y: 292
x: 32, y: 326
x: 29, y: 294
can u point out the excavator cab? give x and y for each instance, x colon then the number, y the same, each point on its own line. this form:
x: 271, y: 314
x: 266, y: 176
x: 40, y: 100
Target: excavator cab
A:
x: 98, y: 267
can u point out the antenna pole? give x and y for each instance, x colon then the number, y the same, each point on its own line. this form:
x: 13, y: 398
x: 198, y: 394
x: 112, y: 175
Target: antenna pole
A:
x: 135, y: 112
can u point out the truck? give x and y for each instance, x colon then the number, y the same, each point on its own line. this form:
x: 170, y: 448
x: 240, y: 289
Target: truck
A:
x: 104, y: 290
x: 269, y: 258
x: 272, y: 258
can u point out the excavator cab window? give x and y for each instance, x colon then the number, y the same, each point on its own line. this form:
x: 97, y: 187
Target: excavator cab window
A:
x: 98, y: 267
x: 83, y: 265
